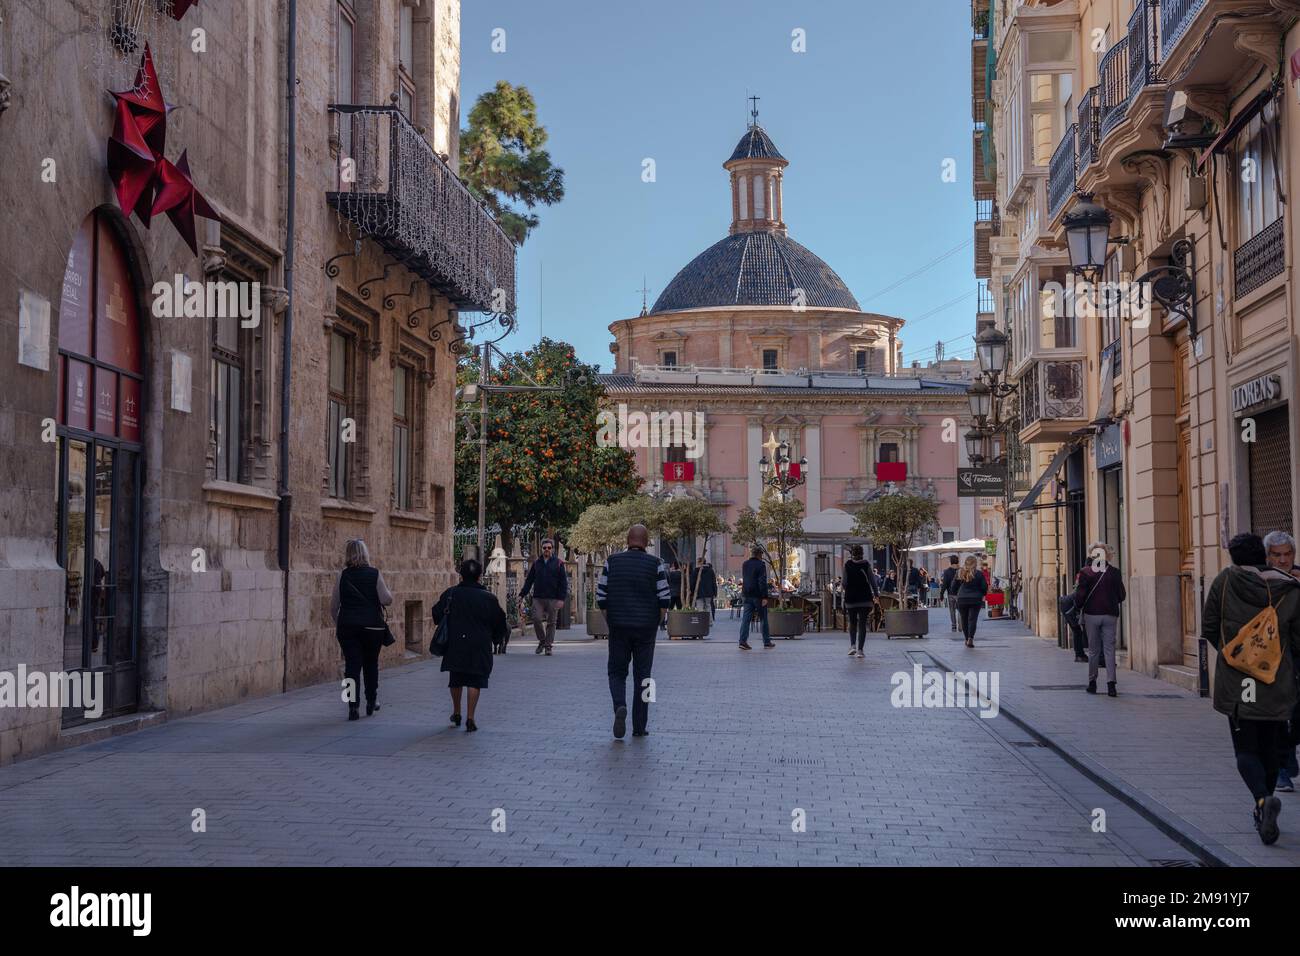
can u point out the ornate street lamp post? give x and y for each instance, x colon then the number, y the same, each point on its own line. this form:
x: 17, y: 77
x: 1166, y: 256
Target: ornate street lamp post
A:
x: 776, y: 468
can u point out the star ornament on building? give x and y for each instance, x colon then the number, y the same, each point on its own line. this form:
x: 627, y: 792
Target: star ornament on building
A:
x: 179, y: 7
x: 178, y: 197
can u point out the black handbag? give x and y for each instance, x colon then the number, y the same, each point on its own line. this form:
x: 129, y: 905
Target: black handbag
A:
x: 438, y: 646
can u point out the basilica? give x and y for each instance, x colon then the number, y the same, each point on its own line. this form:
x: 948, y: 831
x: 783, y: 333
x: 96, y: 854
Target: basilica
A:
x: 763, y: 339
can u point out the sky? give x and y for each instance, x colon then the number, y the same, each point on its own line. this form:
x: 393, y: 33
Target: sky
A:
x: 866, y: 116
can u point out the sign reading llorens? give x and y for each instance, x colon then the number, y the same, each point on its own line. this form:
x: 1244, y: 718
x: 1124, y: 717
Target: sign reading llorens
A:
x: 986, y: 482
x: 1257, y: 391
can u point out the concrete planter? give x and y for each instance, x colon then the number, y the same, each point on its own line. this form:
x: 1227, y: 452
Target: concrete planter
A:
x: 691, y: 625
x: 596, y: 626
x: 784, y: 623
x: 907, y: 623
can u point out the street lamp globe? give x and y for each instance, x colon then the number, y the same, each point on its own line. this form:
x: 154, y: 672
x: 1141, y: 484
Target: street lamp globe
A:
x: 981, y: 401
x: 764, y: 465
x: 1087, y: 233
x: 975, y: 446
x: 991, y: 349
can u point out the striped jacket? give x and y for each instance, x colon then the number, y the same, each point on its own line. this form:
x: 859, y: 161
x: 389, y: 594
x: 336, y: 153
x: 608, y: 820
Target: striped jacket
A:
x: 633, y: 590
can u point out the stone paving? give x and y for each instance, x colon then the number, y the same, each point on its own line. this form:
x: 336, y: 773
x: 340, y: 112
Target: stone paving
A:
x: 739, y: 741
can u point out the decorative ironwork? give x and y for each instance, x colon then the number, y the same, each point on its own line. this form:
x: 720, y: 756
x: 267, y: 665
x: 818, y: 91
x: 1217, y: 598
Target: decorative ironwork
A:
x: 1088, y: 128
x: 331, y: 269
x: 983, y: 297
x: 1175, y: 17
x: 364, y: 291
x: 1174, y: 285
x: 1063, y: 174
x: 1052, y: 389
x: 405, y: 197
x: 414, y: 323
x: 1143, y: 48
x: 1113, y: 76
x: 390, y: 300
x: 1259, y: 259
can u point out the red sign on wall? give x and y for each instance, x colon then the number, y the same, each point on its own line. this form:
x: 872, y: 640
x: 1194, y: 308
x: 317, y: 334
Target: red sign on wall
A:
x: 679, y: 471
x: 891, y: 471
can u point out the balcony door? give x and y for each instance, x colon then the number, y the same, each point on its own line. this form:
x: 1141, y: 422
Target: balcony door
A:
x: 100, y: 411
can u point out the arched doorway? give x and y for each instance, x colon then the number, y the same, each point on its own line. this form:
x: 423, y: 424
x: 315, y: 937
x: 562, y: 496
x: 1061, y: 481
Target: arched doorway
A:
x: 100, y: 410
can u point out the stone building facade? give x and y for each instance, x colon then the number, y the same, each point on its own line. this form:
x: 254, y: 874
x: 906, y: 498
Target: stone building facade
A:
x: 760, y: 337
x: 162, y: 539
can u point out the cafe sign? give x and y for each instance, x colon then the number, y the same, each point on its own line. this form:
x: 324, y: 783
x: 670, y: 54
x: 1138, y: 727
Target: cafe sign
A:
x: 986, y: 482
x: 1259, y: 391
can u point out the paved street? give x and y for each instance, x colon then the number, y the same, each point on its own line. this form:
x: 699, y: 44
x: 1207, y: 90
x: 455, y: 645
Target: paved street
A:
x: 738, y: 742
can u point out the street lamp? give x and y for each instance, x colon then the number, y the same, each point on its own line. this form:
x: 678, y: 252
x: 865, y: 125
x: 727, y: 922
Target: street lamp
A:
x: 975, y: 445
x: 981, y: 401
x: 1087, y: 235
x: 991, y: 350
x: 776, y: 468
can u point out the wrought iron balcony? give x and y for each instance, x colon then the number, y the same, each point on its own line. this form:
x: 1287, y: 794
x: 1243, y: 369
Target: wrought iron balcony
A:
x: 400, y: 193
x: 1088, y: 135
x: 983, y: 298
x: 1113, y: 76
x: 1259, y: 259
x: 1175, y: 17
x: 1052, y: 395
x: 1063, y: 174
x: 1143, y: 47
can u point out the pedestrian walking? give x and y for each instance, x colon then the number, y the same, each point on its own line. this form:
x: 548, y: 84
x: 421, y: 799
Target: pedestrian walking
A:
x: 949, y: 584
x: 1250, y: 607
x: 1279, y: 550
x: 753, y: 593
x: 971, y: 589
x: 704, y: 585
x: 548, y: 583
x: 859, y: 596
x: 356, y: 606
x: 675, y: 585
x: 1098, y: 593
x: 633, y: 592
x: 475, y: 621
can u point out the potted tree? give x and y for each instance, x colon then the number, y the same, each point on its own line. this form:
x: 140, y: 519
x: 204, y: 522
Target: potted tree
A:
x: 895, y: 521
x: 688, y: 518
x: 774, y: 527
x: 600, y: 531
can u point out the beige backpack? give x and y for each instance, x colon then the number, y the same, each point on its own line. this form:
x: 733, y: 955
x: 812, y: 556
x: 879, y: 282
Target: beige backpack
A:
x: 1256, y: 649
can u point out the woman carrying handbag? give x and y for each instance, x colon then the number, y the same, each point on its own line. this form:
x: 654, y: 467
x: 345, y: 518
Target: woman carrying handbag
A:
x: 469, y: 621
x: 357, y: 607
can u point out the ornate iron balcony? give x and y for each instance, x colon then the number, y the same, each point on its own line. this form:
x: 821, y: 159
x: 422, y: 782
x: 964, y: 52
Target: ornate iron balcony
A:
x: 1063, y: 174
x: 400, y: 193
x: 1259, y: 259
x: 1052, y: 389
x: 1143, y: 47
x: 1113, y: 74
x: 1088, y: 132
x: 1175, y: 17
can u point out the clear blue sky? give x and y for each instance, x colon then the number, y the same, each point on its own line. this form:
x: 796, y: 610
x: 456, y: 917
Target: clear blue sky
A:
x: 866, y: 118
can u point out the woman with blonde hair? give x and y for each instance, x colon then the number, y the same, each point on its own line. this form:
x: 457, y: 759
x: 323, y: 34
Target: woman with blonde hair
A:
x: 356, y: 606
x: 972, y: 587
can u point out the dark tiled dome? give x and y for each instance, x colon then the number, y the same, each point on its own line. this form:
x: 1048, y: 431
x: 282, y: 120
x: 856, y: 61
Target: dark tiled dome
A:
x: 755, y: 144
x: 755, y: 268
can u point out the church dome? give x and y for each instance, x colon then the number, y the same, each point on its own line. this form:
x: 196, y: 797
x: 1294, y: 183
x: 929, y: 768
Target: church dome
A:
x: 755, y: 268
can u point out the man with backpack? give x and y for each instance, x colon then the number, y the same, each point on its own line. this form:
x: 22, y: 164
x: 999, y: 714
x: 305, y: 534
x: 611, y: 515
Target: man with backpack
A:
x: 949, y: 586
x: 1252, y: 615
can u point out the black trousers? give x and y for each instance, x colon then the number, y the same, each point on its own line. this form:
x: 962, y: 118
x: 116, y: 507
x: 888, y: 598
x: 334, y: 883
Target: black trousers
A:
x: 1257, y: 744
x: 970, y: 615
x: 361, y: 656
x: 858, y: 626
x: 638, y: 648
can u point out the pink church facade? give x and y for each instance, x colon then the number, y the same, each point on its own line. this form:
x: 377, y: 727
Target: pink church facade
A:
x: 762, y: 339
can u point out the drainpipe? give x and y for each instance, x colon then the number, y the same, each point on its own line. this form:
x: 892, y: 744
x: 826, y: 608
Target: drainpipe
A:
x: 286, y: 370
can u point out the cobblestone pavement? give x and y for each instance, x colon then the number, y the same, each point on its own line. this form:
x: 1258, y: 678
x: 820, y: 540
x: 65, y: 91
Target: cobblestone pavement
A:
x: 739, y: 742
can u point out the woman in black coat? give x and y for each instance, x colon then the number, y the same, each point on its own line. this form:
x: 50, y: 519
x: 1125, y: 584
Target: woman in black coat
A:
x: 474, y: 622
x: 357, y: 608
x: 973, y: 586
x: 859, y: 596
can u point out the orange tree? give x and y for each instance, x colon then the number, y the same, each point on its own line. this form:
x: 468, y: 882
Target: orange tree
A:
x: 543, y: 464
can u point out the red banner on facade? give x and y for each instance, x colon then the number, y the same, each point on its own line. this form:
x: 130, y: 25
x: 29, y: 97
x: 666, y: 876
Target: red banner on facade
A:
x: 891, y: 471
x: 795, y: 470
x: 679, y: 471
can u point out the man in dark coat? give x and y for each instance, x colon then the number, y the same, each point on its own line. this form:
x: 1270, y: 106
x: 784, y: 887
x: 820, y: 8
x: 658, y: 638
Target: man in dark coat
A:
x: 633, y: 592
x: 549, y: 584
x: 753, y: 591
x: 704, y: 585
x: 475, y: 622
x: 1257, y: 712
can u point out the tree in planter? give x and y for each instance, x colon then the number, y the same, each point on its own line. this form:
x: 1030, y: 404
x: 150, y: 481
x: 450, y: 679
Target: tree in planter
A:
x: 602, y: 528
x: 689, y: 518
x: 895, y: 521
x: 775, y: 521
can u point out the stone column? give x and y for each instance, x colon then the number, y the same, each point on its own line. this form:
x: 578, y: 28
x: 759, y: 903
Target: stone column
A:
x: 753, y: 449
x: 813, y: 438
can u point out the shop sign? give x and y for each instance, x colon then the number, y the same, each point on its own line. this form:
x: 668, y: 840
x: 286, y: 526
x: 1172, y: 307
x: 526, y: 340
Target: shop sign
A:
x: 986, y: 482
x: 1258, y: 391
x: 1110, y: 446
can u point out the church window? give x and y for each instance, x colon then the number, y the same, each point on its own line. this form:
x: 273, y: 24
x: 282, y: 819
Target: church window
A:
x: 771, y: 360
x: 744, y: 196
x: 669, y: 359
x: 760, y: 188
x: 889, y: 451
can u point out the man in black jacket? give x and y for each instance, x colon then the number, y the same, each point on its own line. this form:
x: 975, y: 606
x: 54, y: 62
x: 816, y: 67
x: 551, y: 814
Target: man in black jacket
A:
x: 704, y: 586
x: 754, y: 593
x: 633, y: 592
x: 950, y: 584
x: 549, y: 585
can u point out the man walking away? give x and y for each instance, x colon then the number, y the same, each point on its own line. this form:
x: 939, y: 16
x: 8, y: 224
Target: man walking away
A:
x: 859, y: 596
x: 1098, y: 593
x: 950, y: 585
x: 1280, y: 549
x: 549, y: 585
x: 675, y: 585
x: 1257, y: 712
x: 753, y: 591
x: 704, y: 585
x: 633, y: 593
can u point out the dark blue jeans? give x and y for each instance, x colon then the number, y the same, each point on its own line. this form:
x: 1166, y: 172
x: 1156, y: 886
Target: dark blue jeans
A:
x: 751, y: 610
x: 637, y: 648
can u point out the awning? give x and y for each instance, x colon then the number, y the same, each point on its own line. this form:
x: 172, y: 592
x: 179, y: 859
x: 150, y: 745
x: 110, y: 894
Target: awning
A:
x: 1235, y: 126
x: 970, y: 544
x: 1058, y: 460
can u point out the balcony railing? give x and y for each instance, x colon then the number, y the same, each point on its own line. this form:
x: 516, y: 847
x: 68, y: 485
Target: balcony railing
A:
x: 1259, y: 259
x: 983, y: 298
x: 985, y: 210
x: 1052, y: 390
x: 1143, y: 47
x: 1063, y: 174
x: 400, y: 193
x: 1088, y: 133
x: 1113, y: 77
x: 1175, y: 17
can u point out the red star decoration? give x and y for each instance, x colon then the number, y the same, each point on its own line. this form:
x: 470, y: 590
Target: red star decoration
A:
x: 146, y: 102
x: 180, y: 200
x: 180, y: 6
x: 131, y: 164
